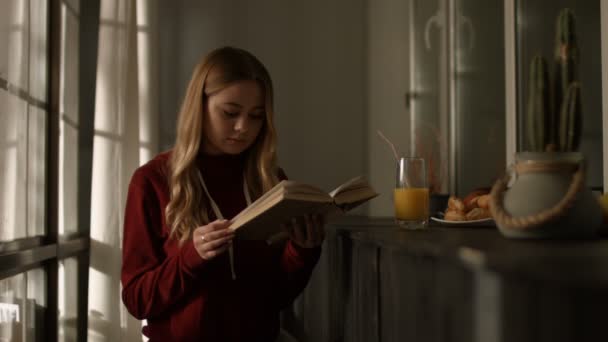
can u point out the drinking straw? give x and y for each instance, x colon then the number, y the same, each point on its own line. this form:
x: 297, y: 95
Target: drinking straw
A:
x: 394, y: 153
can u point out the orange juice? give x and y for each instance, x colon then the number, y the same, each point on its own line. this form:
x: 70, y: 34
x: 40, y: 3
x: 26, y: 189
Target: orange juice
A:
x: 411, y: 204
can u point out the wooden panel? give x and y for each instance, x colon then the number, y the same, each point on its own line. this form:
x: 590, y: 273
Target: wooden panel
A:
x: 380, y: 283
x: 545, y: 312
x: 424, y: 299
x: 361, y: 310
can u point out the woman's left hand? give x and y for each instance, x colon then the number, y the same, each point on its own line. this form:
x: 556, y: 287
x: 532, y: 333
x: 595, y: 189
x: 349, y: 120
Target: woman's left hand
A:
x: 307, y: 231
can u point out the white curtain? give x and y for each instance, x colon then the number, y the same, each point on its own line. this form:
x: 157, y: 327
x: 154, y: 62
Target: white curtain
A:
x: 126, y: 117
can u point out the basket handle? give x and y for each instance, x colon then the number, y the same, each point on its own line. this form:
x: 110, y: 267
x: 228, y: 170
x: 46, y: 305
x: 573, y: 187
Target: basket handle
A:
x: 504, y: 219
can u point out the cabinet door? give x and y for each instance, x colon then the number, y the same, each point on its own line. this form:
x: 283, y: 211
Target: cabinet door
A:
x: 478, y: 92
x: 427, y: 99
x: 457, y: 97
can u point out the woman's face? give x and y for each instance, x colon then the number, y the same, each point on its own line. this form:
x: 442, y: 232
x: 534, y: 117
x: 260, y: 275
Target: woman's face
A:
x: 233, y: 118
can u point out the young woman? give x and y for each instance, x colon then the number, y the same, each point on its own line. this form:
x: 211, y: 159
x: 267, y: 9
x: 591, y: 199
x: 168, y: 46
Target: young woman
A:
x: 182, y: 270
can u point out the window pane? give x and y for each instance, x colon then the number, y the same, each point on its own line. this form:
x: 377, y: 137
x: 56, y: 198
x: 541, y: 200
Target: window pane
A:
x: 36, y: 177
x: 68, y: 299
x: 23, y: 39
x: 68, y: 140
x: 536, y: 35
x: 13, y: 152
x: 37, y: 304
x: 14, y: 42
x: 69, y: 65
x: 12, y: 292
x: 22, y: 307
x: 38, y: 50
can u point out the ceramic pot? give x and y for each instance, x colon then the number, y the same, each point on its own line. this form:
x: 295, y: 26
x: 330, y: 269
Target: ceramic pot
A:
x: 545, y: 196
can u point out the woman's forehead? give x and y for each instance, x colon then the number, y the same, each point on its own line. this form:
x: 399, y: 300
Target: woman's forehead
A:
x: 241, y: 93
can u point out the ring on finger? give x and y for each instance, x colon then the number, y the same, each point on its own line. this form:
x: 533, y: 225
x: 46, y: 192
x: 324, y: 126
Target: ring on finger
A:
x: 203, y: 238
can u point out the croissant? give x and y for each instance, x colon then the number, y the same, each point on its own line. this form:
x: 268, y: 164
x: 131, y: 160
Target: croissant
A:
x: 455, y: 203
x: 470, y: 201
x: 477, y: 214
x: 483, y: 201
x: 475, y: 206
x: 471, y: 204
x: 454, y: 215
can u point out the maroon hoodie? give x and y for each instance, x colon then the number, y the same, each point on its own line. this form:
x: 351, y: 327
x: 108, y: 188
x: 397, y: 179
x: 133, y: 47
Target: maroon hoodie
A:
x: 186, y: 298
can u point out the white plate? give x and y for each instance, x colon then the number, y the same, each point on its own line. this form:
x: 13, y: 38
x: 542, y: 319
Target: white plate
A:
x: 487, y: 222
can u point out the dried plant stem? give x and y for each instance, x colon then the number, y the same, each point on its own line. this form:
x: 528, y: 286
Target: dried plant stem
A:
x: 390, y: 144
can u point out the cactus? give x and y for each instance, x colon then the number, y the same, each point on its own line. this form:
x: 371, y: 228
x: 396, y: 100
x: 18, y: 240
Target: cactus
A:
x: 571, y: 119
x: 565, y: 37
x: 538, y: 104
x: 555, y: 119
x: 566, y: 61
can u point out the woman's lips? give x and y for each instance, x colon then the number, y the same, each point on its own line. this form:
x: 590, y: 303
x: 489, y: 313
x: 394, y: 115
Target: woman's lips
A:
x: 236, y: 141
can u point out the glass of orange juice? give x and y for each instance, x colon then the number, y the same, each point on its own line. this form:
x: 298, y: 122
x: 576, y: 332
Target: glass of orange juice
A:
x: 411, y: 196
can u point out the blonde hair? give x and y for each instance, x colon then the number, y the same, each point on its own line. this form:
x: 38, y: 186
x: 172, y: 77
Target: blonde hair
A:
x: 188, y: 206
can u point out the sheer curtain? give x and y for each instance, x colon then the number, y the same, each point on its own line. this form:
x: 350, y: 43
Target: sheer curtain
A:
x: 126, y: 117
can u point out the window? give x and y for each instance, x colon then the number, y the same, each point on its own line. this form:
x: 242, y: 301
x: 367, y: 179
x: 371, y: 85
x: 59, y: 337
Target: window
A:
x: 44, y: 243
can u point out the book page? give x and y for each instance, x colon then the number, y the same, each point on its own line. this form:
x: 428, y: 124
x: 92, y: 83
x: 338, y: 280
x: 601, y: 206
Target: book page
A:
x: 353, y: 193
x: 296, y: 188
x: 351, y: 183
x: 263, y: 218
x: 277, y: 190
x: 267, y: 223
x: 285, y: 200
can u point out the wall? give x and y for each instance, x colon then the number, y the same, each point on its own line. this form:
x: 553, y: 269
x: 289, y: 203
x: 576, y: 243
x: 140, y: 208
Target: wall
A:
x: 387, y: 80
x: 314, y: 51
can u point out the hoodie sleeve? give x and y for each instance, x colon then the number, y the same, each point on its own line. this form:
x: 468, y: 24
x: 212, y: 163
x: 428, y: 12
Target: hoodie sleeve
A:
x: 296, y: 266
x: 153, y: 283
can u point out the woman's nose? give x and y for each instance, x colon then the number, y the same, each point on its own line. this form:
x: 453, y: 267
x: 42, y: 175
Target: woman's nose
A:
x: 241, y: 125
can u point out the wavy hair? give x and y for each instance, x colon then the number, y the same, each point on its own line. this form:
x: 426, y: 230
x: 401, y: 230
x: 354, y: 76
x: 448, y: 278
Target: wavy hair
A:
x: 188, y: 206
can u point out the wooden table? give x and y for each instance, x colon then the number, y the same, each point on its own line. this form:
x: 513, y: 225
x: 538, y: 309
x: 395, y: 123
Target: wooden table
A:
x: 378, y: 282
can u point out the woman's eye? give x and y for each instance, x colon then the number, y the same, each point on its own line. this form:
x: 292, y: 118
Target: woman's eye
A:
x: 257, y: 116
x: 231, y: 114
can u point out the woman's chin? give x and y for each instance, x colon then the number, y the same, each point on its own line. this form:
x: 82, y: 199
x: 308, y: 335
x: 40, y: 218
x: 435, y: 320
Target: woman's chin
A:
x: 234, y: 150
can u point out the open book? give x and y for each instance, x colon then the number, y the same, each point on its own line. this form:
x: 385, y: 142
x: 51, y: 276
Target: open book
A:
x: 263, y: 218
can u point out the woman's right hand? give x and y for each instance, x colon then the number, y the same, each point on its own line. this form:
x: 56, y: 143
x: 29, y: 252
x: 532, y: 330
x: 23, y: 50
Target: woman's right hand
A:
x: 212, y: 239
